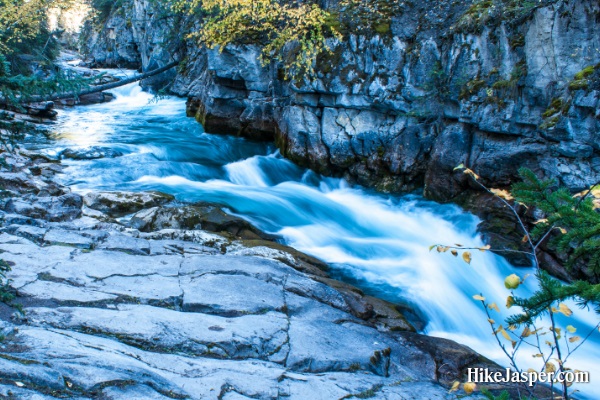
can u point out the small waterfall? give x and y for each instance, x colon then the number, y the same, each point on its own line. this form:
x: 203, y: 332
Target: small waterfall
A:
x: 378, y: 240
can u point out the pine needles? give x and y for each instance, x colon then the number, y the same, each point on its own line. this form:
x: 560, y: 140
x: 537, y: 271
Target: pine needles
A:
x: 575, y: 218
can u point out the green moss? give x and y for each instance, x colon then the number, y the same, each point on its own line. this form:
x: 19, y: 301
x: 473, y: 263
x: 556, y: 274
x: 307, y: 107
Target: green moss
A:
x: 327, y: 61
x: 584, y: 73
x: 503, y: 84
x: 471, y: 88
x: 333, y: 22
x: 579, y: 84
x: 382, y: 29
x: 495, y: 100
x: 517, y: 41
x: 555, y: 106
x: 551, y: 123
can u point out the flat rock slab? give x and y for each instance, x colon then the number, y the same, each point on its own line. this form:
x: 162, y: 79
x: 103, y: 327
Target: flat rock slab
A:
x: 63, y: 292
x: 230, y: 295
x: 126, y: 244
x: 110, y: 315
x: 64, y: 360
x: 152, y: 328
x: 67, y: 238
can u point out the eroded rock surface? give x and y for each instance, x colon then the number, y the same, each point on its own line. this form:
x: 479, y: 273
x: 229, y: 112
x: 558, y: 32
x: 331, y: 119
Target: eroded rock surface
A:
x: 178, y: 312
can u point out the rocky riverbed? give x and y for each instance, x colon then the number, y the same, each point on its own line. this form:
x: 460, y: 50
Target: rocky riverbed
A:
x: 131, y: 295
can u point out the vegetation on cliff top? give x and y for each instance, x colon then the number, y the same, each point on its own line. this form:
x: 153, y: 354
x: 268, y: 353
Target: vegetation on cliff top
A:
x: 292, y: 33
x: 28, y: 49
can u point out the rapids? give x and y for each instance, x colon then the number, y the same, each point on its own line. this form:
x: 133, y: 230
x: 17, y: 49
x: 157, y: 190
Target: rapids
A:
x: 378, y: 242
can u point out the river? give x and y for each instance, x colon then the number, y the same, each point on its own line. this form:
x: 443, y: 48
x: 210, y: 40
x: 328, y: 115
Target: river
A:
x: 378, y: 242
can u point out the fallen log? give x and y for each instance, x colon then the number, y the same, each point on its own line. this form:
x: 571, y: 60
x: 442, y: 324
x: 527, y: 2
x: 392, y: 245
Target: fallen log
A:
x: 95, y: 89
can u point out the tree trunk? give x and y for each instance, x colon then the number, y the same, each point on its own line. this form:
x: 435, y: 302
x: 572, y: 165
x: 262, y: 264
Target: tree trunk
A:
x: 96, y: 89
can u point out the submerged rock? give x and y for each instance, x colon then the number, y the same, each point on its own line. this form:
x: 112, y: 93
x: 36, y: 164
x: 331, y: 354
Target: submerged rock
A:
x: 90, y: 153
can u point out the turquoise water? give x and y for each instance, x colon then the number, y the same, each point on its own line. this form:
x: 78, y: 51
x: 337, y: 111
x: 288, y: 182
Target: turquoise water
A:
x: 379, y: 242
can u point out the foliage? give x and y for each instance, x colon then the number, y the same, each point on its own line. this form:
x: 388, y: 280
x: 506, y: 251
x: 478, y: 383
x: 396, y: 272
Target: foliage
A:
x: 24, y: 30
x: 292, y: 33
x: 104, y: 8
x: 552, y: 291
x: 576, y: 218
x: 27, y: 52
x: 583, y: 221
x: 366, y: 17
x: 483, y: 12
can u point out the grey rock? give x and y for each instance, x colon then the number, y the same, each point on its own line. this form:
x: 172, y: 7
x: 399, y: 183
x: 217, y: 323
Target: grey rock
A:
x: 67, y: 238
x: 62, y: 208
x: 32, y: 233
x: 121, y: 203
x: 127, y: 244
x: 201, y: 216
x: 230, y: 295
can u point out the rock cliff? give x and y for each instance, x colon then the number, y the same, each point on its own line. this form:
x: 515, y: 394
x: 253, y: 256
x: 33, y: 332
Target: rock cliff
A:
x: 400, y: 107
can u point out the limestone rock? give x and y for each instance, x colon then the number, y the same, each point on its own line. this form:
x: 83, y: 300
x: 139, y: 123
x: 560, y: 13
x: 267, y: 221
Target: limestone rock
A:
x: 121, y: 203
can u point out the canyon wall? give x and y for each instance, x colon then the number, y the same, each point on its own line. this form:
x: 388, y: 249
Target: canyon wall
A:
x: 398, y: 109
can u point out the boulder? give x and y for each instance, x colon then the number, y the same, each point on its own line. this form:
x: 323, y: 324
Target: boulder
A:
x: 122, y: 203
x: 202, y: 216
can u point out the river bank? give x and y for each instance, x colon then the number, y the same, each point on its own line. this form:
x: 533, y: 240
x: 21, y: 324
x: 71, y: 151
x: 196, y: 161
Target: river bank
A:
x: 173, y: 310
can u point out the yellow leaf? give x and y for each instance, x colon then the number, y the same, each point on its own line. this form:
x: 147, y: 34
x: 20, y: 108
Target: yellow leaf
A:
x: 525, y: 239
x: 432, y: 247
x: 541, y: 221
x: 473, y: 174
x: 454, y: 253
x: 469, y: 387
x: 557, y: 330
x: 484, y: 248
x: 550, y: 367
x: 458, y: 245
x: 537, y: 355
x: 505, y: 334
x: 574, y: 339
x: 460, y: 166
x: 526, y: 332
x: 562, y: 230
x: 478, y: 297
x: 571, y: 329
x: 467, y: 257
x: 455, y: 386
x: 503, y: 194
x: 494, y: 307
x: 510, y: 301
x: 549, y: 343
x: 562, y: 307
x: 491, y: 321
x: 512, y: 281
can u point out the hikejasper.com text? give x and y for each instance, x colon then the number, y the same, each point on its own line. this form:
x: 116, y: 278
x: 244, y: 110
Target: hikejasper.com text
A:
x: 484, y: 375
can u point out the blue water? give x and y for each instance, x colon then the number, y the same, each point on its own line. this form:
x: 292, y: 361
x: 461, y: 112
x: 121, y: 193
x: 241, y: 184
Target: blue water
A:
x: 379, y: 241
